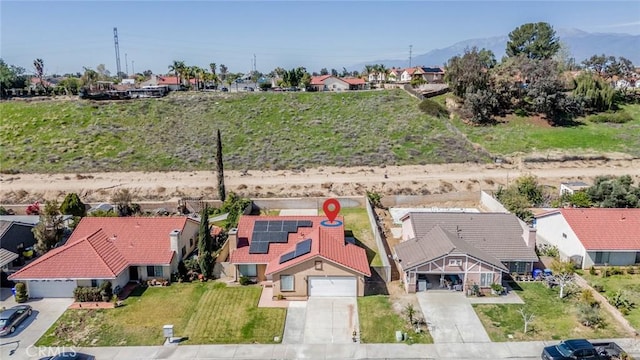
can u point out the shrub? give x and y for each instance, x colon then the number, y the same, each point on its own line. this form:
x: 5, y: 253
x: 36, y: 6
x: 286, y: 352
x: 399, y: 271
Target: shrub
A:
x: 592, y: 270
x: 621, y: 302
x: 375, y: 199
x: 21, y: 293
x: 433, y: 108
x: 598, y: 287
x: 106, y: 291
x: 590, y: 316
x: 497, y: 288
x: 84, y: 294
x: 245, y: 281
x: 618, y: 117
x: 586, y: 296
x: 617, y: 271
x: 631, y: 270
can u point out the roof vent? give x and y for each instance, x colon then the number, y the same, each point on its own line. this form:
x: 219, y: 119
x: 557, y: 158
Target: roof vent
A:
x: 114, y: 237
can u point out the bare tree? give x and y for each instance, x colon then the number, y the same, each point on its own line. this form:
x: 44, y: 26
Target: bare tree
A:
x: 38, y: 65
x: 563, y: 274
x: 122, y: 199
x: 527, y: 318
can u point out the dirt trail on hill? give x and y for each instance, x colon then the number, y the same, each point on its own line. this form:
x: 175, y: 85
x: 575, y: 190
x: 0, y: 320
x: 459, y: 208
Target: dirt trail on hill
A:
x: 325, y: 181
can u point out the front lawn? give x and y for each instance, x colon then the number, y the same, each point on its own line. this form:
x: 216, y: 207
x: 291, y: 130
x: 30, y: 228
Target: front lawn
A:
x: 630, y: 286
x: 555, y: 318
x: 203, y: 312
x: 379, y: 322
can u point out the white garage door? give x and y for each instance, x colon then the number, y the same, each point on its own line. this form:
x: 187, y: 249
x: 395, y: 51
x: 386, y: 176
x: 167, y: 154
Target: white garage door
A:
x: 51, y: 288
x: 333, y: 286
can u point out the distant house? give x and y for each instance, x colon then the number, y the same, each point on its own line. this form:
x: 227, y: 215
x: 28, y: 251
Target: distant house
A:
x: 101, y: 207
x: 299, y: 255
x: 407, y: 75
x: 15, y: 237
x: 394, y: 75
x: 592, y: 236
x: 34, y: 83
x: 115, y: 249
x: 428, y: 74
x: 462, y: 249
x: 334, y: 83
x: 572, y: 186
x: 172, y: 82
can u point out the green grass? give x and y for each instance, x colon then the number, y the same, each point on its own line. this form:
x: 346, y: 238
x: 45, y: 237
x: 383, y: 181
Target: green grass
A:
x: 379, y: 323
x: 520, y: 134
x: 356, y: 221
x: 203, y: 312
x: 555, y: 318
x: 259, y: 131
x: 630, y: 286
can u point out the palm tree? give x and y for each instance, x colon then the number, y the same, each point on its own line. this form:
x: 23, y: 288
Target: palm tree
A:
x: 223, y: 72
x: 90, y: 77
x: 382, y: 72
x: 214, y: 77
x: 177, y: 67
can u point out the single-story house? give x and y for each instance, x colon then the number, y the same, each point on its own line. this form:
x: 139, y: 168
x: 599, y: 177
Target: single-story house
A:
x: 592, y: 236
x: 463, y: 249
x: 116, y: 249
x: 174, y: 83
x: 571, y: 187
x: 300, y: 255
x: 429, y: 74
x: 333, y: 83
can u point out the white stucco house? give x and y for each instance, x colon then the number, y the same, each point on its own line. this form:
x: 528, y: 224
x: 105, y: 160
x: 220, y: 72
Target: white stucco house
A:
x: 592, y: 236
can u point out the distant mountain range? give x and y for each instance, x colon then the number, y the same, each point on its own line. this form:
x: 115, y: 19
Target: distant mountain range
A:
x: 582, y: 45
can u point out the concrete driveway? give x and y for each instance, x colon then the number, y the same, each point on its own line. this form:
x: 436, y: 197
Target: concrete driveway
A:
x: 45, y: 313
x: 321, y: 320
x: 451, y: 318
x: 331, y: 320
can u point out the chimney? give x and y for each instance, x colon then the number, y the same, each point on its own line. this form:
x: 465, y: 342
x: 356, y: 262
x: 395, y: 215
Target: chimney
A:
x: 174, y: 240
x: 232, y: 238
x: 531, y: 240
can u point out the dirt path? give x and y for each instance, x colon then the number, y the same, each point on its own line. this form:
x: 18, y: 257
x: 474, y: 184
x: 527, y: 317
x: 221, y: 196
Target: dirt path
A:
x: 333, y: 181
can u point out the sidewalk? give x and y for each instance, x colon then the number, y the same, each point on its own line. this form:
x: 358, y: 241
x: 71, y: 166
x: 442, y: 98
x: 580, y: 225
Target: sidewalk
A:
x: 506, y: 350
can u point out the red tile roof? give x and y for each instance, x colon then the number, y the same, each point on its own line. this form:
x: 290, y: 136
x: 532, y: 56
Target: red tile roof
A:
x: 327, y: 242
x: 101, y: 248
x: 603, y: 229
x: 410, y: 71
x: 319, y: 80
x: 354, y: 81
x: 172, y: 80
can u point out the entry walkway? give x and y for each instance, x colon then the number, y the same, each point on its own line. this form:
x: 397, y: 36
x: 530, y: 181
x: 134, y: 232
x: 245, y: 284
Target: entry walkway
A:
x: 451, y: 318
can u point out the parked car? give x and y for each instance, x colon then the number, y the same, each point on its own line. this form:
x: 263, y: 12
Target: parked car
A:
x: 70, y: 355
x: 581, y: 349
x: 224, y: 89
x: 11, y: 318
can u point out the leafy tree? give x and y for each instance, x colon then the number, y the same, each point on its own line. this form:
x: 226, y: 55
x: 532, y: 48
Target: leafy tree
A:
x: 468, y: 73
x: 480, y: 105
x: 72, y: 205
x: 48, y: 232
x: 529, y: 187
x: 324, y: 71
x: 205, y: 244
x: 610, y: 192
x: 594, y: 92
x: 609, y: 66
x: 103, y: 72
x: 90, y: 77
x: 534, y: 41
x: 334, y: 72
x: 523, y: 194
x: 234, y: 205
x: 224, y: 70
x: 306, y: 80
x: 70, y: 85
x: 220, y: 167
x: 579, y: 199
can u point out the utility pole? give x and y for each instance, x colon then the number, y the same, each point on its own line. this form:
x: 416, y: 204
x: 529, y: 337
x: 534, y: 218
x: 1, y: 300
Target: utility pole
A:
x: 410, y: 54
x: 133, y: 69
x: 126, y: 64
x: 117, y: 46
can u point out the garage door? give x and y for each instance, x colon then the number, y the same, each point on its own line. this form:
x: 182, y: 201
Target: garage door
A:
x: 51, y: 288
x: 333, y: 286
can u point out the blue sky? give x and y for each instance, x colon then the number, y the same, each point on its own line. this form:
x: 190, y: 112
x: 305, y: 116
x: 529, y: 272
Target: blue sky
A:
x: 332, y: 34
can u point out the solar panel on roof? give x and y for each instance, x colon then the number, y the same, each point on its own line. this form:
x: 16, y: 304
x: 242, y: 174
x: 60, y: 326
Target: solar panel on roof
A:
x: 259, y: 248
x: 275, y: 225
x: 290, y: 226
x: 303, y: 247
x: 305, y: 223
x: 260, y: 225
x: 288, y: 256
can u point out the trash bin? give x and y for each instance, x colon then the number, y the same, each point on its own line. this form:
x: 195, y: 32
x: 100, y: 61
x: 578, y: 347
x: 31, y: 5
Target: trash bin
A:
x: 13, y: 291
x: 399, y: 336
x: 536, y: 273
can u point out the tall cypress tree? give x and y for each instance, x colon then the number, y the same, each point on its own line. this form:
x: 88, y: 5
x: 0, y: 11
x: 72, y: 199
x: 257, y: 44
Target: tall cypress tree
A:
x: 205, y: 243
x: 221, y: 191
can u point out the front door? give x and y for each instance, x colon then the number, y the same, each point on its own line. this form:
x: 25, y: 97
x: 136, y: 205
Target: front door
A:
x: 133, y: 273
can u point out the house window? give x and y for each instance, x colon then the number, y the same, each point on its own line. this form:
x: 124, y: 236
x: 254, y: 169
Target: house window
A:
x: 94, y: 283
x: 154, y: 271
x: 184, y: 251
x: 486, y: 279
x: 318, y: 265
x: 455, y: 262
x: 602, y: 257
x: 286, y: 282
x: 191, y: 242
x: 250, y: 270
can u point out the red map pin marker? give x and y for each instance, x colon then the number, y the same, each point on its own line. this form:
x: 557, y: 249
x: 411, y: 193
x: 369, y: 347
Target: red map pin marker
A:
x: 331, y: 208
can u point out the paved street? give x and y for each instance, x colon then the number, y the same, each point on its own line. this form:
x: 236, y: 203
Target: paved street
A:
x: 511, y: 350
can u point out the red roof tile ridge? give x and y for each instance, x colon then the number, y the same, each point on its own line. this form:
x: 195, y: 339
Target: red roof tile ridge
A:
x: 100, y: 235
